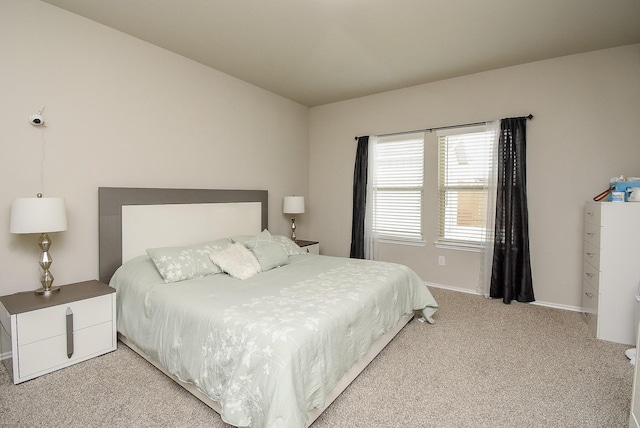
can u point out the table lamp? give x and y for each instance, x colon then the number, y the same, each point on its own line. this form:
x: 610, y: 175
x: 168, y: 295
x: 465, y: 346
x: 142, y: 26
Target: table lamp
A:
x: 40, y: 215
x: 293, y: 205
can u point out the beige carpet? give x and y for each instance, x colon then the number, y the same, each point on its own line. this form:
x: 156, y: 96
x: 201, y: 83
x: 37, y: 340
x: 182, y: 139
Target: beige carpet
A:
x: 484, y: 364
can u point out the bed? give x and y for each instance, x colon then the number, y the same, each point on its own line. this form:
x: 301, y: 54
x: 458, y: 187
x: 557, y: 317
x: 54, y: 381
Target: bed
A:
x: 204, y: 293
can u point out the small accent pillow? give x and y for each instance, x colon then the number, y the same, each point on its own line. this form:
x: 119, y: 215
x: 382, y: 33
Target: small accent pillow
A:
x: 237, y: 261
x: 290, y: 247
x: 181, y: 263
x: 242, y: 239
x: 268, y: 251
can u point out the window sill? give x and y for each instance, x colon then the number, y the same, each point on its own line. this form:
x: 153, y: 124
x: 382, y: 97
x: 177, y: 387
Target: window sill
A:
x: 415, y: 243
x: 459, y: 246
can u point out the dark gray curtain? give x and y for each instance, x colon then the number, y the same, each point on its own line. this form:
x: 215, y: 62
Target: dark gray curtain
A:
x: 359, y: 198
x: 511, y: 271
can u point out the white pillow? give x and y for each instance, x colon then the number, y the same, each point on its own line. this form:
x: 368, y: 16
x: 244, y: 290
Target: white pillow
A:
x: 237, y: 261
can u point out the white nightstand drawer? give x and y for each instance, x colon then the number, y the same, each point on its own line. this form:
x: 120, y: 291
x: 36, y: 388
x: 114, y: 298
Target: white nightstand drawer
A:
x: 50, y: 354
x: 49, y: 322
x: 312, y: 249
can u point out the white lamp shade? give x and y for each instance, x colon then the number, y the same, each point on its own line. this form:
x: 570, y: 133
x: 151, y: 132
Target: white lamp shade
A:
x: 38, y: 215
x: 293, y: 205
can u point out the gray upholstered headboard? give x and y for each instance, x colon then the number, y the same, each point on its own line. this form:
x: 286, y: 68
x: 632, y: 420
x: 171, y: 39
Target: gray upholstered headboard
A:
x: 112, y: 199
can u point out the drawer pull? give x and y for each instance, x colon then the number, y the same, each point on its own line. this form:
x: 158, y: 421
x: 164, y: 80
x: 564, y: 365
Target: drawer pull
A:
x: 589, y: 213
x: 589, y: 274
x: 69, y: 332
x: 590, y: 234
x: 591, y: 254
x: 589, y: 295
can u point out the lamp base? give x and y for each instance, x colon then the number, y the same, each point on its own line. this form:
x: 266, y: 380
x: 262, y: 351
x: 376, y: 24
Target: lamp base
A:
x: 47, y: 291
x: 293, y: 228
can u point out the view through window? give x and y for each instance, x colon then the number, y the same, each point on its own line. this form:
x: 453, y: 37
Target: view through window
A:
x: 464, y: 162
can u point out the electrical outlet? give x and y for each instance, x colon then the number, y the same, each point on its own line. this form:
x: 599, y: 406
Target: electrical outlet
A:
x: 441, y: 260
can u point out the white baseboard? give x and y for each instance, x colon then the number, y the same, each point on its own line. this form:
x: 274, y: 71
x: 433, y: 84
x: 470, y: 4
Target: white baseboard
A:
x: 5, y: 356
x: 537, y: 302
x: 452, y: 288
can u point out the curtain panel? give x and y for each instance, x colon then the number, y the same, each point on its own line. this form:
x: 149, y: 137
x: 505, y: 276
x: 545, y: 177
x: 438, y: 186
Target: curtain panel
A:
x: 486, y: 262
x: 511, y: 268
x: 360, y: 173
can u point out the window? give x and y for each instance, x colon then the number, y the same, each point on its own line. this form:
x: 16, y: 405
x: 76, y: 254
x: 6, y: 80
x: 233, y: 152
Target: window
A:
x: 398, y: 187
x: 464, y: 162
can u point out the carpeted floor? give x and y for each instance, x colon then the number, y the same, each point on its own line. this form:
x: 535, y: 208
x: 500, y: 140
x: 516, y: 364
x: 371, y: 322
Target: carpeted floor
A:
x: 484, y: 364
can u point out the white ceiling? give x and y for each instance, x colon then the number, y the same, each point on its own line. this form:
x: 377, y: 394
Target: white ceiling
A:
x: 321, y: 51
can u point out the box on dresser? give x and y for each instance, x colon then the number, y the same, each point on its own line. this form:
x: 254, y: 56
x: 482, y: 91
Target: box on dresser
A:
x: 47, y: 333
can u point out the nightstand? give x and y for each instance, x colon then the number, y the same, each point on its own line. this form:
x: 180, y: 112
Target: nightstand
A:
x: 51, y: 332
x: 311, y: 247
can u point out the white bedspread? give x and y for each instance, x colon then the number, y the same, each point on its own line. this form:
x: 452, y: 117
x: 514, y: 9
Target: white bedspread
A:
x: 270, y: 347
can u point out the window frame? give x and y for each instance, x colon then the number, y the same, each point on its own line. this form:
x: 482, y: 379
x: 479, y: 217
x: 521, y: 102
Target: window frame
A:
x: 474, y: 242
x: 416, y: 237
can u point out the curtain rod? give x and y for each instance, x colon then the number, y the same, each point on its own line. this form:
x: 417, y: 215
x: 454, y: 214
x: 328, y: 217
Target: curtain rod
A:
x: 438, y: 128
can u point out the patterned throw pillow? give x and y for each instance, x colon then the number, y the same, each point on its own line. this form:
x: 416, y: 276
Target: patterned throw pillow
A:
x: 290, y: 247
x: 237, y: 261
x: 181, y: 263
x: 268, y: 251
x: 242, y: 239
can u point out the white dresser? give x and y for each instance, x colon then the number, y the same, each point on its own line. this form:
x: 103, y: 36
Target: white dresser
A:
x: 48, y: 333
x: 611, y: 273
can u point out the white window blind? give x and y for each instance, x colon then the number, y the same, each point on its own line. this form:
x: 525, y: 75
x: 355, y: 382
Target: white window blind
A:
x: 464, y: 162
x: 398, y: 187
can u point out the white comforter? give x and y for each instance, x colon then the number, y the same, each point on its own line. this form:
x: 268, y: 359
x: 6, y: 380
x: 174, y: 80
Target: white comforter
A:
x: 270, y: 347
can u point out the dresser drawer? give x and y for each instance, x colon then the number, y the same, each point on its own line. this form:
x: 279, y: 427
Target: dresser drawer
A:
x: 50, y: 354
x: 49, y: 322
x: 590, y: 307
x: 592, y: 233
x: 591, y: 254
x: 593, y: 214
x: 591, y: 275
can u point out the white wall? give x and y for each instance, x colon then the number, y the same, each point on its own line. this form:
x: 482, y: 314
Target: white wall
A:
x: 122, y: 112
x: 585, y: 131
